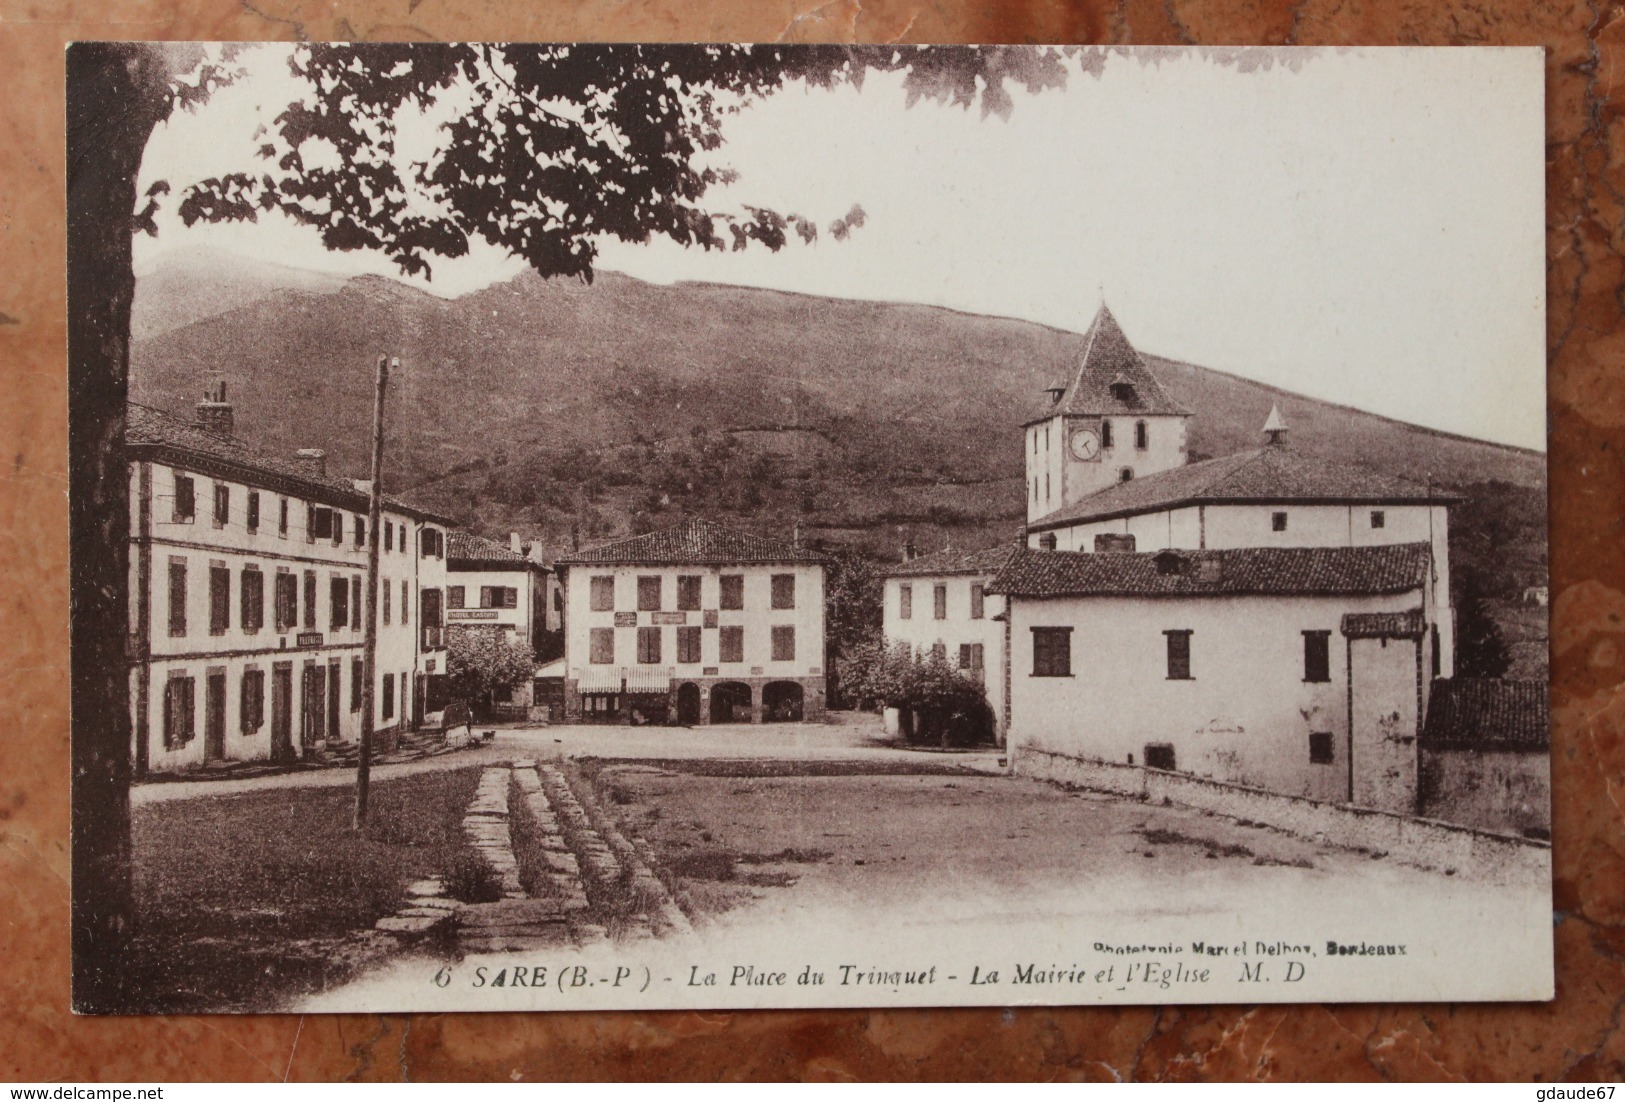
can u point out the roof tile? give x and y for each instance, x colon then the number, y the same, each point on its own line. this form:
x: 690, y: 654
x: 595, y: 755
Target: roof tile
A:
x: 695, y: 541
x: 1391, y: 568
x: 1490, y: 714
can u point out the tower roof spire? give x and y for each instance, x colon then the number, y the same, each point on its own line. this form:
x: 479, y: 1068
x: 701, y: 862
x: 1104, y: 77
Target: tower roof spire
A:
x: 1275, y: 427
x: 1111, y: 377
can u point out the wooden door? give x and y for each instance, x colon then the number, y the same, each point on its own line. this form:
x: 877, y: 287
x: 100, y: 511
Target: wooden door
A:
x: 334, y: 696
x: 214, y: 716
x: 314, y: 711
x: 282, y: 711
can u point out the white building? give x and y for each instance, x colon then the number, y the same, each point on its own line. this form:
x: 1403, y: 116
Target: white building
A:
x: 695, y: 624
x: 1297, y: 670
x: 502, y: 587
x: 246, y: 577
x: 939, y: 604
x: 1272, y: 496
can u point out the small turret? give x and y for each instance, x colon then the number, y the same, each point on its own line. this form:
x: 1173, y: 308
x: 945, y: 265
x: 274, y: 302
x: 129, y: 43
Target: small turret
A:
x: 1275, y: 428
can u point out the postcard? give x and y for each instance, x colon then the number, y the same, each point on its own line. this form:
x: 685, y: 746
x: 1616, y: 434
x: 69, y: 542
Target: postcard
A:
x: 564, y: 527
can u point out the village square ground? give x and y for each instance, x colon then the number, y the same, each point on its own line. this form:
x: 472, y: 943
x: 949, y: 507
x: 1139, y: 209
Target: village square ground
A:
x: 761, y: 831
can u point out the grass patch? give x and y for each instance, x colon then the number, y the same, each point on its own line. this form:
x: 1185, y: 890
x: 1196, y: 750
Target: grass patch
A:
x: 1159, y: 837
x: 249, y: 902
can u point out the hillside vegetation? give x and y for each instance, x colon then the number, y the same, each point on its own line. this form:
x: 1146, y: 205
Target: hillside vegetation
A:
x: 543, y: 406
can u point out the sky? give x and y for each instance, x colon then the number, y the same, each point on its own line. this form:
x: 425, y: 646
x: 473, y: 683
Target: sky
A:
x: 1362, y: 226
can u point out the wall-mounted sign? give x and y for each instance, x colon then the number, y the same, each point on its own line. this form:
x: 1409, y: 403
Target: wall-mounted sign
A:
x: 472, y: 614
x: 308, y: 639
x: 710, y: 617
x: 428, y: 665
x: 816, y: 670
x: 626, y: 619
x: 668, y: 618
x: 710, y: 671
x: 756, y: 671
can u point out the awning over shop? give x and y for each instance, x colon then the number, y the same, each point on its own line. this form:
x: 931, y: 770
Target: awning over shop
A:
x: 648, y: 679
x: 600, y: 679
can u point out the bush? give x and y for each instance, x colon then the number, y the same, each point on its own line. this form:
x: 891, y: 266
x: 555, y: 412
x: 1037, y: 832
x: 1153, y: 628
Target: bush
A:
x: 938, y: 703
x: 471, y: 879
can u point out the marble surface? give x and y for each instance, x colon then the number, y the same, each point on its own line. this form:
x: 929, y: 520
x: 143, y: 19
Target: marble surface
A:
x: 1576, y: 1037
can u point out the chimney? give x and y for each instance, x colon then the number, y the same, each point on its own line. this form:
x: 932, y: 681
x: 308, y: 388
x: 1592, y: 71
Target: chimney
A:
x: 514, y: 544
x: 909, y: 554
x: 795, y: 536
x: 214, y: 413
x: 312, y: 461
x: 1046, y: 542
x: 1119, y: 543
x: 575, y: 536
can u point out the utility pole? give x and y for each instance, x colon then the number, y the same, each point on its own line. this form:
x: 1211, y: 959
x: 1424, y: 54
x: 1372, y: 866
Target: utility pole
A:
x: 369, y: 645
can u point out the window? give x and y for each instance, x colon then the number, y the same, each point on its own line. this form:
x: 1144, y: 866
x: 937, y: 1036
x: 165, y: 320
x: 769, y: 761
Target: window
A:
x: 454, y: 596
x: 389, y: 535
x: 219, y: 599
x: 500, y: 596
x: 254, y: 522
x: 360, y: 532
x: 649, y: 594
x: 688, y: 645
x: 905, y: 602
x: 1159, y: 755
x: 253, y: 599
x: 320, y: 523
x: 1179, y: 658
x: 287, y: 600
x: 177, y: 597
x: 251, y: 701
x: 310, y: 600
x: 733, y: 591
x: 1105, y: 434
x: 282, y: 517
x: 784, y: 591
x: 388, y: 708
x: 603, y: 594
x: 648, y: 646
x: 185, y: 500
x: 970, y: 656
x: 731, y: 642
x: 355, y: 603
x: 601, y: 642
x: 1052, y: 652
x: 1142, y: 436
x: 976, y: 599
x: 338, y: 602
x: 338, y: 528
x: 222, y: 504
x: 688, y: 592
x: 1317, y: 656
x: 939, y: 652
x: 406, y: 603
x: 784, y: 643
x: 383, y: 587
x: 939, y: 601
x: 1320, y: 748
x: 1126, y: 474
x: 1278, y: 522
x: 1379, y: 519
x: 179, y: 711
x: 357, y: 679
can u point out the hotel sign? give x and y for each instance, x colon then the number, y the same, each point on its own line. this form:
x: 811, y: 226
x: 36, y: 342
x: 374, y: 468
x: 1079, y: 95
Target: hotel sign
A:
x: 668, y: 618
x: 626, y: 619
x: 308, y: 639
x: 471, y: 614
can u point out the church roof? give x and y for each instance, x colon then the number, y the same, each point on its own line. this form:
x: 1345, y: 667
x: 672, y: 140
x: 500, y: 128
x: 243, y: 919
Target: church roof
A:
x: 987, y: 560
x: 1488, y: 714
x: 1242, y: 571
x: 1271, y: 474
x: 694, y: 541
x: 1111, y: 378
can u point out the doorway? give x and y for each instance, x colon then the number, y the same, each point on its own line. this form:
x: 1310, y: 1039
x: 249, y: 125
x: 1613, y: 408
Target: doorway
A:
x: 282, y: 711
x: 314, y: 712
x: 730, y: 702
x: 214, y: 716
x: 334, y: 696
x: 688, y: 704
